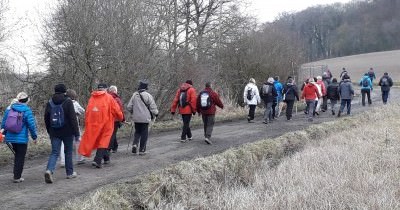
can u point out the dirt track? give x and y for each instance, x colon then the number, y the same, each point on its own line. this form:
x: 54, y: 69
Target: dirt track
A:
x: 164, y: 149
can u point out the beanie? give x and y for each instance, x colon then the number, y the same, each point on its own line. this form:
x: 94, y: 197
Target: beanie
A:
x: 143, y: 85
x: 60, y: 88
x: 189, y: 82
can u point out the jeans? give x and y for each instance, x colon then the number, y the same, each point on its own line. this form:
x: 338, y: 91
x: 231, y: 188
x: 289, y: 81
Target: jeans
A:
x: 368, y: 93
x: 186, y: 132
x: 385, y: 96
x: 268, y: 112
x: 252, y: 111
x: 208, y: 121
x: 289, y: 109
x: 19, y: 159
x: 343, y: 103
x: 55, y: 152
x: 310, y: 108
x: 141, y: 135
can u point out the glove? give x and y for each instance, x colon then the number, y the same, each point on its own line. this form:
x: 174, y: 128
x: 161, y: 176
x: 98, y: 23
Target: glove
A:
x: 173, y: 113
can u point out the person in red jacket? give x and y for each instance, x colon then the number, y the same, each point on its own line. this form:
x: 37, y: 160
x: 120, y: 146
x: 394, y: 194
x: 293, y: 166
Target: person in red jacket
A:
x: 113, y: 91
x: 185, y: 101
x: 206, y: 106
x: 310, y: 93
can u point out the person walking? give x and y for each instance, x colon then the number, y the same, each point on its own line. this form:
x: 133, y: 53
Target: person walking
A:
x: 344, y: 72
x: 62, y: 127
x: 143, y: 109
x: 346, y: 92
x: 113, y: 91
x: 251, y: 97
x: 386, y: 83
x: 207, y: 101
x: 185, y: 101
x: 18, y: 121
x: 326, y: 79
x: 269, y: 95
x: 333, y: 94
x: 278, y: 99
x: 101, y: 113
x: 371, y: 75
x: 366, y: 88
x: 310, y: 93
x: 322, y: 88
x: 291, y: 93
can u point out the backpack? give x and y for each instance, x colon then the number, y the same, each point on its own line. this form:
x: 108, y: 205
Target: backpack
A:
x: 365, y: 82
x: 14, y: 121
x: 205, y: 100
x: 56, y: 114
x: 249, y: 94
x: 183, y: 98
x: 385, y: 81
x: 267, y: 90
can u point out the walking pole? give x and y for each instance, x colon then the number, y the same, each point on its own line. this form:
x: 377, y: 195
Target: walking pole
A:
x: 130, y: 136
x: 296, y: 107
x: 11, y: 148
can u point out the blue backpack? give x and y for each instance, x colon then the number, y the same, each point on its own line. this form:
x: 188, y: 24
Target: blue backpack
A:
x: 56, y: 115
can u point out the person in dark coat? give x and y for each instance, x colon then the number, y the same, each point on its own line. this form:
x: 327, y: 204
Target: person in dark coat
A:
x: 333, y: 94
x: 269, y: 94
x: 346, y: 92
x: 207, y: 102
x: 386, y: 83
x: 290, y: 94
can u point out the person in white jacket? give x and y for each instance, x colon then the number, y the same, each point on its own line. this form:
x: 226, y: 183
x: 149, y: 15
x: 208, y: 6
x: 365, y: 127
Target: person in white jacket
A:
x: 251, y: 97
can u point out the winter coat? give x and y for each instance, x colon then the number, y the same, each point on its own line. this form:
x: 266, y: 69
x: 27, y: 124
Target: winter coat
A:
x: 386, y: 87
x: 291, y: 92
x: 271, y: 97
x: 346, y: 90
x: 310, y: 92
x: 140, y: 109
x: 215, y: 101
x: 333, y: 91
x: 117, y: 99
x: 79, y: 110
x: 254, y: 91
x: 322, y: 86
x: 369, y: 87
x: 279, y: 88
x: 101, y: 112
x: 29, y: 124
x: 70, y: 127
x: 191, y: 99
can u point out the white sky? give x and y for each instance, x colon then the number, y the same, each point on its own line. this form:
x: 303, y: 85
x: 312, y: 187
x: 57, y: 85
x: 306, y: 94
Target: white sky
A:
x: 25, y: 17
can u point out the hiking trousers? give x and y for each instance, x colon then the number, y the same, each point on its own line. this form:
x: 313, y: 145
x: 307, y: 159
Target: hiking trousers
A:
x: 208, y: 121
x: 102, y: 153
x: 252, y: 111
x: 368, y: 93
x: 19, y: 158
x: 113, y: 141
x: 186, y: 132
x: 268, y: 117
x: 141, y: 136
x: 289, y: 109
x: 385, y: 96
x: 324, y: 103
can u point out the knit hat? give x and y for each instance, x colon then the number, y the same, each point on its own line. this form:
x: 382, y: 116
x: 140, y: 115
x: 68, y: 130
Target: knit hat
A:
x: 22, y: 97
x: 252, y: 80
x: 143, y: 85
x: 189, y: 82
x: 60, y: 88
x: 102, y: 86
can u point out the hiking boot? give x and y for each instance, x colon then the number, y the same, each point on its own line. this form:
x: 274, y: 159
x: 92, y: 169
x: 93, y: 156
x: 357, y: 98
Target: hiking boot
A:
x: 96, y: 164
x: 338, y: 114
x: 190, y: 138
x: 207, y: 141
x: 18, y: 180
x: 72, y: 176
x: 333, y: 112
x: 142, y: 153
x: 48, y: 177
x: 134, y: 149
x: 183, y: 140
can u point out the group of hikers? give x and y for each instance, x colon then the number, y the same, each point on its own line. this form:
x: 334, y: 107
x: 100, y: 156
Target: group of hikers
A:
x: 316, y: 91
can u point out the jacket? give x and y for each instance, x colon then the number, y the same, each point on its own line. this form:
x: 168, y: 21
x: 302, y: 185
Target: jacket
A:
x: 101, y: 112
x: 117, y: 99
x: 346, y: 90
x: 70, y: 127
x: 384, y: 87
x: 369, y: 87
x: 191, y: 99
x: 279, y: 88
x: 272, y: 97
x: 291, y: 92
x: 322, y: 86
x: 29, y: 124
x: 333, y: 91
x: 79, y: 110
x: 310, y: 92
x: 215, y: 101
x: 141, y: 110
x: 254, y: 91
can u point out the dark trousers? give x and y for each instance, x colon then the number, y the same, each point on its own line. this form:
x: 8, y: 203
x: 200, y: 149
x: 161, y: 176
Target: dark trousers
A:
x: 274, y: 104
x: 102, y: 153
x: 324, y: 103
x: 368, y: 93
x: 186, y: 132
x: 385, y: 96
x: 141, y: 135
x: 19, y: 159
x: 268, y: 116
x: 252, y: 111
x: 208, y: 121
x: 343, y: 103
x: 113, y: 141
x: 289, y: 109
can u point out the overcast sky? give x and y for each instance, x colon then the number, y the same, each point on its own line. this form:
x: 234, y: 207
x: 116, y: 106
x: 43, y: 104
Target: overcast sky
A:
x: 26, y: 18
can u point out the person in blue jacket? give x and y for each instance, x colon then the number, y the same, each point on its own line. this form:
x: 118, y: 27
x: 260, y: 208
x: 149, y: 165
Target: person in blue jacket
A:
x: 278, y: 99
x: 366, y: 88
x: 19, y: 141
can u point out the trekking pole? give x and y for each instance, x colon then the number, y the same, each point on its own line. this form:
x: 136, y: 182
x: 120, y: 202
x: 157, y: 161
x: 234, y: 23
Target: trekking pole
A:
x: 11, y: 148
x: 130, y: 136
x: 296, y: 107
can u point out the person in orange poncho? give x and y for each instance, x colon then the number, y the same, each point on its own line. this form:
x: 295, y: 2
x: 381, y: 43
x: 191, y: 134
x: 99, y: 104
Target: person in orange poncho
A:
x: 101, y: 112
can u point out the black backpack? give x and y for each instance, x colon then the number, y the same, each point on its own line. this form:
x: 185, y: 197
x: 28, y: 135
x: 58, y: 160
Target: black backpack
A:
x: 205, y: 100
x: 183, y: 98
x: 249, y: 94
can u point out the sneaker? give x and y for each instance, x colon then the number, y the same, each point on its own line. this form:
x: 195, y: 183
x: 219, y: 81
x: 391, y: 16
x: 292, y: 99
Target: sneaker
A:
x: 81, y: 162
x: 106, y: 162
x: 18, y: 180
x: 72, y: 176
x: 142, y: 153
x: 289, y: 119
x: 134, y: 149
x: 183, y: 140
x: 190, y: 138
x: 48, y: 177
x: 96, y: 164
x: 207, y: 141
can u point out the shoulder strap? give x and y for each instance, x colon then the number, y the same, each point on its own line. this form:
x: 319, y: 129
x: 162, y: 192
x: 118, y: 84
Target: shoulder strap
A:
x: 147, y: 105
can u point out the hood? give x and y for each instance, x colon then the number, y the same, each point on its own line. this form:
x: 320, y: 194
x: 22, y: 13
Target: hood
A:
x: 98, y: 93
x: 185, y: 86
x: 20, y: 107
x: 58, y: 98
x: 365, y: 77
